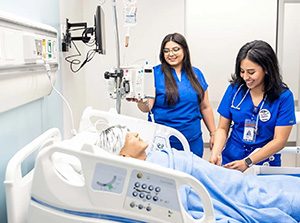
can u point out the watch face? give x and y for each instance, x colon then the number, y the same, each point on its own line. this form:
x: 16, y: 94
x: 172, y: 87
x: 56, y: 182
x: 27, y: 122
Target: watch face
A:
x: 248, y: 162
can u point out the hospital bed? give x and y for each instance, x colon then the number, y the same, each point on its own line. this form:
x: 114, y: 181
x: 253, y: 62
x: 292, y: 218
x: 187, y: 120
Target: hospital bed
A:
x: 46, y: 192
x: 112, y: 189
x: 17, y: 187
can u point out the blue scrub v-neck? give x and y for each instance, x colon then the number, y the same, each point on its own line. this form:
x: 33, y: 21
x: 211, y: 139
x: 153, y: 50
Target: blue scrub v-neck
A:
x: 185, y: 115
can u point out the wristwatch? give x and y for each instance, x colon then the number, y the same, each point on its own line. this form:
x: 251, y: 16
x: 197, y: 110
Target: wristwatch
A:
x: 248, y: 161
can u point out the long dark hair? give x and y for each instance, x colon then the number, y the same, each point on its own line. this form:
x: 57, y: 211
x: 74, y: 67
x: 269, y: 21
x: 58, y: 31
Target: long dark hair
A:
x: 261, y: 53
x: 172, y: 95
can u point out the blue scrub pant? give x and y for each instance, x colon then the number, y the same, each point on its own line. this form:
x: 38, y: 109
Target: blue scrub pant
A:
x: 196, y: 145
x: 237, y: 151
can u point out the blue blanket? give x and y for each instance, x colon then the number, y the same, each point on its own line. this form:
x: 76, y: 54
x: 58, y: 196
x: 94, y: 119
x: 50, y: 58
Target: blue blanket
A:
x: 236, y: 197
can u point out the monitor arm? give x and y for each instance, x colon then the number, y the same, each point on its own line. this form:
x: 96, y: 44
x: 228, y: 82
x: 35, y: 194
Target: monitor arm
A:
x: 67, y: 37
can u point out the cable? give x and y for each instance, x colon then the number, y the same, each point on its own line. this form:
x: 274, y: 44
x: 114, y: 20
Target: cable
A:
x: 73, y: 61
x: 89, y: 56
x: 48, y: 70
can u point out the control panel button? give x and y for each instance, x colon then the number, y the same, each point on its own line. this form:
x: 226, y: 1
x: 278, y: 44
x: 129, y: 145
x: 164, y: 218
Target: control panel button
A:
x: 132, y: 204
x: 155, y: 198
x: 142, y: 195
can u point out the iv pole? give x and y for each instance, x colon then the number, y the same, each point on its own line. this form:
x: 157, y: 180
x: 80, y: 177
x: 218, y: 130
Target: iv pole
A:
x: 118, y: 72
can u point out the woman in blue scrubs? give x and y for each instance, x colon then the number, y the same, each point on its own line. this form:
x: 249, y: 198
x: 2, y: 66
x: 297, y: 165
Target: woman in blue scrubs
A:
x: 258, y: 107
x: 181, y: 95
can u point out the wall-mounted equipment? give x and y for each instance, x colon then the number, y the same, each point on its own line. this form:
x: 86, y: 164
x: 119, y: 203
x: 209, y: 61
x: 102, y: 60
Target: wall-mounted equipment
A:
x: 25, y: 48
x: 92, y: 36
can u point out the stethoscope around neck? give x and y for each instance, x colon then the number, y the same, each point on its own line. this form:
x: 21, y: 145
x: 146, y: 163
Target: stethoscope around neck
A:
x: 237, y: 107
x: 233, y: 99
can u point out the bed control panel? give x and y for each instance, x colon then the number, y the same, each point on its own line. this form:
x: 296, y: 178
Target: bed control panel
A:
x: 154, y: 195
x: 109, y: 178
x: 139, y: 191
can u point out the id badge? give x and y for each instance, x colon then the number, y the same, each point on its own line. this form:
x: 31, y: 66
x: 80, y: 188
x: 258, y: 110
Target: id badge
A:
x: 249, y: 131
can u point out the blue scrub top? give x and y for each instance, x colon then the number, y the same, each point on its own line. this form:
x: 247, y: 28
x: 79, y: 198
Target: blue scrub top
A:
x: 282, y: 112
x: 185, y: 115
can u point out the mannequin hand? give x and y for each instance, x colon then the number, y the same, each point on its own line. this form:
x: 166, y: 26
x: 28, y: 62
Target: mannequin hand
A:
x: 237, y: 165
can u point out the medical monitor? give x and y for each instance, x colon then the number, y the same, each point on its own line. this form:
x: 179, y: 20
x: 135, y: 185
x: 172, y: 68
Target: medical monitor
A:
x: 99, y: 30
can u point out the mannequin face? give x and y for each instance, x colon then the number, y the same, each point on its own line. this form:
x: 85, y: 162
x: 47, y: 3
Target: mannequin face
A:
x: 134, y: 146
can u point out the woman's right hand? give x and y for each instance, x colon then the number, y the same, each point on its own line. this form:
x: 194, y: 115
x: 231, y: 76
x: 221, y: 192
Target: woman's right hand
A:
x: 134, y: 100
x: 216, y: 159
x: 145, y: 105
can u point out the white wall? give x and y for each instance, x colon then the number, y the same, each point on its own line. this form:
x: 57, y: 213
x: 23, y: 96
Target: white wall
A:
x: 289, y: 55
x: 155, y: 19
x: 217, y: 29
x: 74, y: 84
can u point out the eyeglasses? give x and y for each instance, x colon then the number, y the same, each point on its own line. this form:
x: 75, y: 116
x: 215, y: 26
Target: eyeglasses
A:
x: 174, y: 50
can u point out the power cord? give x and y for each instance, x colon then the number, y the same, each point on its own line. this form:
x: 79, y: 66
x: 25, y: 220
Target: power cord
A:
x: 48, y: 70
x: 89, y: 56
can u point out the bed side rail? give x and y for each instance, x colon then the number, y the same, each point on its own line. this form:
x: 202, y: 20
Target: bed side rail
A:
x: 95, y: 120
x: 17, y: 187
x: 112, y: 190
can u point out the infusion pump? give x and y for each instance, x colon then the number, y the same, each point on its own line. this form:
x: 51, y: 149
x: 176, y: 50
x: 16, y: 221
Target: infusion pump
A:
x: 137, y: 82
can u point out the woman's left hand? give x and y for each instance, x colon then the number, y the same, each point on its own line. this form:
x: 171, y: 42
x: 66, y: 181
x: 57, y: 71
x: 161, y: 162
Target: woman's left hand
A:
x: 237, y: 165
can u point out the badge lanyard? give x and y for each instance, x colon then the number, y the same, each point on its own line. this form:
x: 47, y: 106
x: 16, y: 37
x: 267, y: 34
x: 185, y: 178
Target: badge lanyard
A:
x: 251, y: 126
